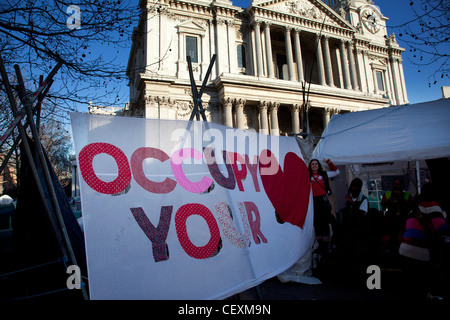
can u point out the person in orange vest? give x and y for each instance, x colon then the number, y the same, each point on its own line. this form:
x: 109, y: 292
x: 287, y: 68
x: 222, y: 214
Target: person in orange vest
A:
x: 397, y: 204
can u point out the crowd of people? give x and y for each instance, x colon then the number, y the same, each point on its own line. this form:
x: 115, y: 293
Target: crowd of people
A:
x: 410, y: 234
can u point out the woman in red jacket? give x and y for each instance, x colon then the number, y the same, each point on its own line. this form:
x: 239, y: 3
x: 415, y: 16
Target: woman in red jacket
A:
x: 322, y: 206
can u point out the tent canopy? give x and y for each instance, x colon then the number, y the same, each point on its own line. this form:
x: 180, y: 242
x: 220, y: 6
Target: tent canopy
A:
x: 401, y: 133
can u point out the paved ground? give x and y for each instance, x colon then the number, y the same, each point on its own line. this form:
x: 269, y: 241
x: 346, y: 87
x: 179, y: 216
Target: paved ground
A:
x: 273, y: 289
x: 341, y: 282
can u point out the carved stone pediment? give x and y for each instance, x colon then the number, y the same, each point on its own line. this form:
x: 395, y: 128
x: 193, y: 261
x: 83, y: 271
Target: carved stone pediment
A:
x: 191, y: 26
x: 308, y: 9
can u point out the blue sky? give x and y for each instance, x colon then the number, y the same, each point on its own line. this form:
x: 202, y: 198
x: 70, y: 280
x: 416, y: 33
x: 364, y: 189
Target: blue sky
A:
x: 417, y: 83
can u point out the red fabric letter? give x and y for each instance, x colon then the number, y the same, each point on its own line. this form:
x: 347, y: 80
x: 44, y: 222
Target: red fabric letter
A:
x: 255, y: 225
x: 192, y: 250
x: 210, y: 157
x: 86, y: 157
x: 137, y: 158
x: 158, y: 235
x: 239, y: 174
x: 253, y: 168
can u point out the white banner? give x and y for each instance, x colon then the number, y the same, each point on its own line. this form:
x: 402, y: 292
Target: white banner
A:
x: 171, y: 213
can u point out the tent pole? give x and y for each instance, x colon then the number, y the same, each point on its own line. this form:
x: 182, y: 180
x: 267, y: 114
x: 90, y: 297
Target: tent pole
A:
x: 51, y: 190
x: 307, y: 117
x: 418, y: 177
x: 28, y: 153
x: 197, y: 96
x: 18, y: 138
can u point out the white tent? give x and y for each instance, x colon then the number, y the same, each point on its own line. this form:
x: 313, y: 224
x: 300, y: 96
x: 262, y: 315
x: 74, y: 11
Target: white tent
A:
x: 402, y: 133
x: 377, y: 144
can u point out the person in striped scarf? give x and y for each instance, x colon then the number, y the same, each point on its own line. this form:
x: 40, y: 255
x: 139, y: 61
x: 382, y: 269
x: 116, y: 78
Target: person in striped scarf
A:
x: 423, y: 245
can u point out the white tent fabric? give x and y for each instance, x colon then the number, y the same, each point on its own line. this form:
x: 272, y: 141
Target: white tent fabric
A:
x: 402, y: 133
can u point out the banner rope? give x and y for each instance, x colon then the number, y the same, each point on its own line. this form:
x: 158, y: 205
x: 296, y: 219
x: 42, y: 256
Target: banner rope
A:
x: 394, y: 109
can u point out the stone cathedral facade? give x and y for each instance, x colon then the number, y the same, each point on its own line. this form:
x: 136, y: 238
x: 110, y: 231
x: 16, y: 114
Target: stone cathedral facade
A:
x: 283, y: 66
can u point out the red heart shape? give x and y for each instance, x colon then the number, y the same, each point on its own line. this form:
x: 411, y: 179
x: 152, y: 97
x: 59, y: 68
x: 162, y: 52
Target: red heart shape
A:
x: 287, y: 190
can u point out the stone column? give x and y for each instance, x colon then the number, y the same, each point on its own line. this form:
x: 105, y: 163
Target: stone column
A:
x: 290, y: 58
x: 337, y: 55
x: 273, y: 108
x: 344, y: 63
x: 387, y: 84
x: 270, y: 71
x: 295, y: 118
x: 212, y: 49
x: 166, y: 110
x: 319, y: 56
x: 232, y: 52
x: 328, y: 66
x: 222, y: 46
x: 302, y: 118
x: 152, y: 49
x: 259, y: 60
x: 327, y: 113
x: 351, y: 61
x: 181, y: 65
x: 228, y: 111
x: 306, y: 109
x: 362, y: 69
x: 151, y: 105
x: 298, y: 55
x: 264, y: 126
x: 204, y: 56
x: 402, y: 78
x: 401, y: 81
x: 395, y: 79
x: 239, y: 109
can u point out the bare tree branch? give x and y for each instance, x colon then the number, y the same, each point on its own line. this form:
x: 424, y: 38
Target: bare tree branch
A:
x: 35, y: 34
x: 427, y: 36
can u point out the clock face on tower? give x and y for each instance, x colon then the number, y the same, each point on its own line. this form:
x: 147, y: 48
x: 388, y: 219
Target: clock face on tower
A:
x: 371, y: 20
